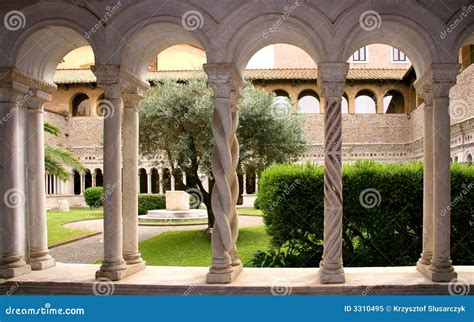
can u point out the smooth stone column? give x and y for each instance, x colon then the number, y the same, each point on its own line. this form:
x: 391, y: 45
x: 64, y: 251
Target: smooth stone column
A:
x: 244, y: 184
x: 94, y: 182
x: 39, y: 257
x: 226, y: 83
x: 427, y: 253
x: 173, y: 181
x: 83, y: 183
x: 148, y: 181
x: 160, y: 175
x: 332, y: 78
x: 12, y: 199
x: 113, y: 266
x: 130, y: 179
x: 444, y: 77
x: 256, y: 183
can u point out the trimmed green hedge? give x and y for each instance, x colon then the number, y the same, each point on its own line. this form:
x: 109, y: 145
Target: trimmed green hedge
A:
x: 149, y: 202
x: 94, y: 197
x: 383, y: 214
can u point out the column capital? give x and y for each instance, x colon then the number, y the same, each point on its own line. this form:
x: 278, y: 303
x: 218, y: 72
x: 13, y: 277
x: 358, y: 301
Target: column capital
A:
x: 225, y: 79
x: 332, y: 78
x: 441, y: 77
x: 115, y: 80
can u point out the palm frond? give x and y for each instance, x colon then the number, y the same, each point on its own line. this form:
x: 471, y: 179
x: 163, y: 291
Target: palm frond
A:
x: 51, y: 129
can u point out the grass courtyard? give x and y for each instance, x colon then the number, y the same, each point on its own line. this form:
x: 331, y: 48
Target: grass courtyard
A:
x: 193, y: 248
x: 58, y: 233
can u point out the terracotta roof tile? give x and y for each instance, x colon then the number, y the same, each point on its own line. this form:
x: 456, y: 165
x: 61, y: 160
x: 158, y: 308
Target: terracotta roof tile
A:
x: 78, y: 76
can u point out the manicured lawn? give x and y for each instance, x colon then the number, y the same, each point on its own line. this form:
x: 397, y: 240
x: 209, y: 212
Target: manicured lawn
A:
x: 193, y: 248
x: 249, y: 212
x: 57, y: 233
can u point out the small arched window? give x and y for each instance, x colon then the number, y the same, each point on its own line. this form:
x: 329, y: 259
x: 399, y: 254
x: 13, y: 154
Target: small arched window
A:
x: 308, y: 102
x: 393, y: 103
x: 365, y: 103
x: 80, y: 105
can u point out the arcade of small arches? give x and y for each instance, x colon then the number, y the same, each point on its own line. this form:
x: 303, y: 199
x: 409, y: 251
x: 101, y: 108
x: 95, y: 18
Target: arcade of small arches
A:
x: 32, y: 54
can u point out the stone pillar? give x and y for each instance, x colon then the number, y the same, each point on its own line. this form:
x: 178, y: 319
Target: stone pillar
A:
x: 160, y: 182
x: 444, y: 77
x: 173, y: 181
x: 256, y: 183
x: 333, y: 78
x: 184, y: 177
x: 351, y: 104
x: 93, y: 178
x: 227, y: 84
x: 130, y: 184
x: 148, y: 181
x: 12, y: 199
x: 108, y: 77
x: 424, y: 87
x: 380, y: 107
x: 244, y: 184
x: 83, y: 183
x: 39, y: 257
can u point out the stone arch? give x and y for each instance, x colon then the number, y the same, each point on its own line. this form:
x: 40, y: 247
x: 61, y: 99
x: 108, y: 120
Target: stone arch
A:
x: 153, y: 33
x: 307, y: 98
x: 80, y: 105
x: 415, y: 42
x: 257, y: 33
x: 359, y: 109
x: 38, y: 49
x: 396, y: 105
x: 468, y: 158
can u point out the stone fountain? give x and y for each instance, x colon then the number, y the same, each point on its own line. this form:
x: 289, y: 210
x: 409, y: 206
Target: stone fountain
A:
x: 177, y: 209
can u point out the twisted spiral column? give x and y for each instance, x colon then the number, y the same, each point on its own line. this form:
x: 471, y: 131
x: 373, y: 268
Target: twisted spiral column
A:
x: 332, y: 78
x: 224, y: 79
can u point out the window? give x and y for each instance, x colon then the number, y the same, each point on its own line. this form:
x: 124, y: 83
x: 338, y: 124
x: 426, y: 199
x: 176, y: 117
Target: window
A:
x: 308, y: 102
x: 80, y: 105
x: 360, y: 56
x: 398, y: 56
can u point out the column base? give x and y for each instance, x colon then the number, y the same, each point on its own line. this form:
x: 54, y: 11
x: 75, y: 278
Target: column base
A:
x: 224, y: 276
x: 133, y: 259
x: 444, y: 275
x: 117, y: 275
x: 42, y: 264
x: 10, y: 272
x: 331, y: 275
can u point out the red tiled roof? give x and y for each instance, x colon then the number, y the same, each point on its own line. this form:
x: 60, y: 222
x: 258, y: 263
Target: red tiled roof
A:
x: 78, y: 76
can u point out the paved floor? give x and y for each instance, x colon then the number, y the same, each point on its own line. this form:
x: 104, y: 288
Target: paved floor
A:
x: 79, y: 279
x: 89, y: 250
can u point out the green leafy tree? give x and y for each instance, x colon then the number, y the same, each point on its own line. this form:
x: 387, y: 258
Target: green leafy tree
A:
x: 175, y: 119
x: 57, y: 158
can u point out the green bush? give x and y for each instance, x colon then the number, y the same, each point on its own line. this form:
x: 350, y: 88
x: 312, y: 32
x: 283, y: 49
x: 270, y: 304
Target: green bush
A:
x: 94, y: 197
x: 150, y: 202
x: 386, y: 232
